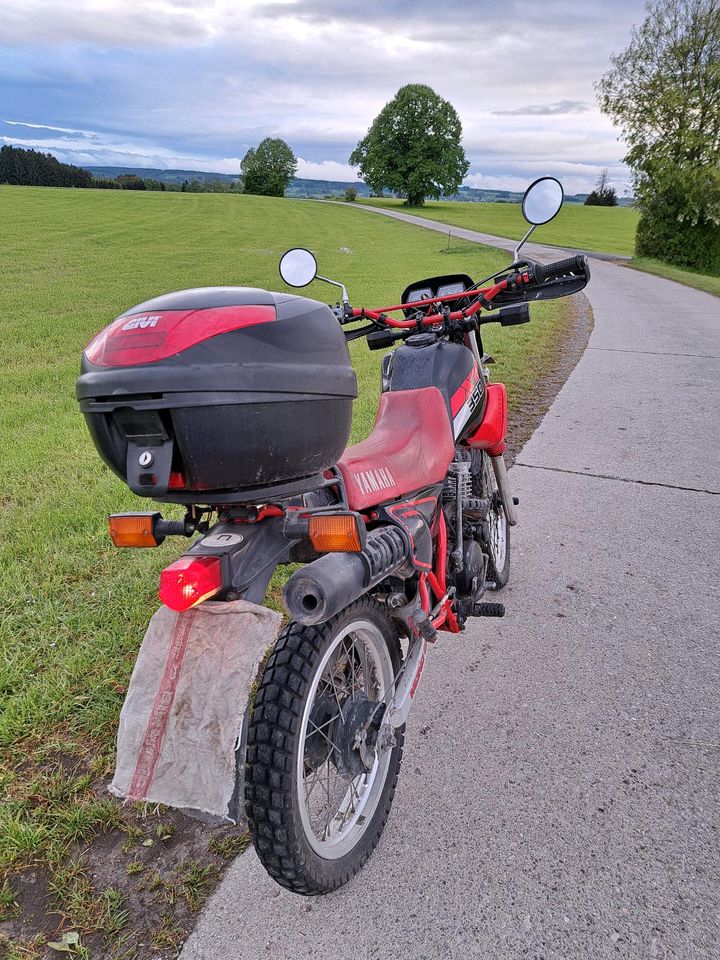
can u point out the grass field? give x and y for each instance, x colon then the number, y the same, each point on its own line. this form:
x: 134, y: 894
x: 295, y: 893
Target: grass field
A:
x: 72, y: 609
x: 604, y: 229
x: 601, y: 229
x: 690, y: 278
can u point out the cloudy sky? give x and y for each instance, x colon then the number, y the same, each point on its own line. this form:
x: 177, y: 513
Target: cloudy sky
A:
x: 190, y: 84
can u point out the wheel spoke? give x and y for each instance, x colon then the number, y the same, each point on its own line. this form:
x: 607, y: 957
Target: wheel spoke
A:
x: 337, y: 698
x: 319, y: 730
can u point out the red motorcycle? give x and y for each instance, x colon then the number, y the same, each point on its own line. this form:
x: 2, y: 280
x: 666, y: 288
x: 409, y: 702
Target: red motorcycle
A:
x: 237, y: 403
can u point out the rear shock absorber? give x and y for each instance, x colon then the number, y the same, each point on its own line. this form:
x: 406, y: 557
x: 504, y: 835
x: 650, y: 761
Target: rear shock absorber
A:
x: 456, y: 491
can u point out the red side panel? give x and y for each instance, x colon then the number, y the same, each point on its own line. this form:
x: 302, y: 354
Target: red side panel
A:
x: 491, y: 433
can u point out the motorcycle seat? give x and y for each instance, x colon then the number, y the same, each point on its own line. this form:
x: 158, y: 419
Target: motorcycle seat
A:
x: 410, y: 447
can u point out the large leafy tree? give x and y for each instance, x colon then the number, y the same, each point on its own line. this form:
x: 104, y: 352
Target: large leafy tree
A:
x: 663, y: 92
x: 413, y: 147
x: 268, y: 168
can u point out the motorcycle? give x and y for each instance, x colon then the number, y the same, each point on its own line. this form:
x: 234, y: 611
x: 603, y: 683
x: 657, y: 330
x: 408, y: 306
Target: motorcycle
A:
x: 237, y: 402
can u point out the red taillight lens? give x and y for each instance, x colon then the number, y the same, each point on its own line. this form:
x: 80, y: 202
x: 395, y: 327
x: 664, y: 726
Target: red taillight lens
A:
x: 154, y: 335
x: 176, y: 481
x: 189, y: 581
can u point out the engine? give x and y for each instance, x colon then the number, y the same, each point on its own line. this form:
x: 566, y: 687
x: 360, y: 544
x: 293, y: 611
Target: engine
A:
x: 466, y: 511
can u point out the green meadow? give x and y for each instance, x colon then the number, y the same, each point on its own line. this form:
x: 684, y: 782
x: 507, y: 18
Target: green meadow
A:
x: 595, y: 229
x: 72, y: 608
x: 602, y: 229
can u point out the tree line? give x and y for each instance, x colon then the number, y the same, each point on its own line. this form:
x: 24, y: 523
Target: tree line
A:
x: 30, y: 168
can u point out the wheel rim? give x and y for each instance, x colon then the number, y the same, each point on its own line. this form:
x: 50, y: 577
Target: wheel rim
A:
x: 335, y: 809
x: 497, y: 521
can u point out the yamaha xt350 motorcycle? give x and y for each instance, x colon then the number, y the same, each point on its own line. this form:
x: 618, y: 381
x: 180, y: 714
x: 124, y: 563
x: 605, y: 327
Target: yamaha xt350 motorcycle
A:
x: 236, y: 402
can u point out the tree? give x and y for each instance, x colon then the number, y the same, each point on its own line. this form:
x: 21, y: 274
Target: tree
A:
x: 105, y: 183
x: 603, y: 195
x: 267, y: 169
x: 350, y: 194
x: 663, y: 92
x: 413, y: 147
x: 131, y: 181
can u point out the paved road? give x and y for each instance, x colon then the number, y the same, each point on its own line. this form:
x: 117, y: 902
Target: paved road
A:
x: 559, y: 797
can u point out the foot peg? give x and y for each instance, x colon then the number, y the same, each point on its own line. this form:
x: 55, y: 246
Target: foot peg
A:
x: 489, y: 610
x: 423, y: 627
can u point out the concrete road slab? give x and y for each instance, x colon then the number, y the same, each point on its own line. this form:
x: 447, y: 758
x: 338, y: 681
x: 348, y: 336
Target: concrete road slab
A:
x: 649, y: 417
x: 647, y: 314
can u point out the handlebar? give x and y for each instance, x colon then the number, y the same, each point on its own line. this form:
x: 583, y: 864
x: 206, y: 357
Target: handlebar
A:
x: 542, y: 272
x: 522, y: 282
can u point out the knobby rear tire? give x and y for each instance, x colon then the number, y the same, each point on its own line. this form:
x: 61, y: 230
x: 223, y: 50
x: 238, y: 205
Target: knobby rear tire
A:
x: 274, y: 736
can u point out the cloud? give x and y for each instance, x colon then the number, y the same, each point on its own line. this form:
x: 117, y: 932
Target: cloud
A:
x: 326, y: 170
x: 545, y: 109
x: 179, y: 83
x: 151, y: 23
x: 47, y: 126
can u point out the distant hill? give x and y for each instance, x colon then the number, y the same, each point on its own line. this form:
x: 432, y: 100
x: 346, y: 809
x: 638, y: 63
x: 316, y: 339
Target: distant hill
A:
x: 318, y: 188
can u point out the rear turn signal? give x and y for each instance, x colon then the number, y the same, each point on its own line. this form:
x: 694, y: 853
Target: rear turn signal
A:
x: 337, y: 533
x: 133, y: 529
x: 189, y: 581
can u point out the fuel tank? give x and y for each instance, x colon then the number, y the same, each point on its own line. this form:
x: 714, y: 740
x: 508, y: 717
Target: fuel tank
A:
x: 423, y: 361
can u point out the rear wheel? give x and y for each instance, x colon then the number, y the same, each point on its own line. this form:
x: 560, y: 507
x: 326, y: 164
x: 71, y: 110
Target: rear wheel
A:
x: 319, y: 786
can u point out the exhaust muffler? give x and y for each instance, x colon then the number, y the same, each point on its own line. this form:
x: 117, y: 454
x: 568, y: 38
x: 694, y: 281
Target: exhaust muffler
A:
x: 324, y: 587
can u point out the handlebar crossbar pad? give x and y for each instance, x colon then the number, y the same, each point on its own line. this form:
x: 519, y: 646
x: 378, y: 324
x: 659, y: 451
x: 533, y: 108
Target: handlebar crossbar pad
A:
x: 573, y: 266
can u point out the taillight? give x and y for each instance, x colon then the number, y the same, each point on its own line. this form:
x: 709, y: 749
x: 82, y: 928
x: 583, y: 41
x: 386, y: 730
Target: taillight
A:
x: 154, y: 335
x: 189, y: 581
x: 176, y: 481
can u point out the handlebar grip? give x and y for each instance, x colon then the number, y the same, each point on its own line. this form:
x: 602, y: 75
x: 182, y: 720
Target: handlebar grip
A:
x: 518, y: 313
x: 577, y: 265
x: 381, y: 339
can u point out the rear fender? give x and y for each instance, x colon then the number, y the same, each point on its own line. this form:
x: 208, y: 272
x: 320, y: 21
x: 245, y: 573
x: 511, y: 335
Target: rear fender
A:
x: 250, y: 552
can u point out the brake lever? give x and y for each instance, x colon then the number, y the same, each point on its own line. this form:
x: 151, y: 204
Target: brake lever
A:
x: 343, y: 313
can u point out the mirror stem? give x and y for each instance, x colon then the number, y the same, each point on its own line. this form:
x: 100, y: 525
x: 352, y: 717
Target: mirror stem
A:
x: 335, y: 283
x: 517, y: 248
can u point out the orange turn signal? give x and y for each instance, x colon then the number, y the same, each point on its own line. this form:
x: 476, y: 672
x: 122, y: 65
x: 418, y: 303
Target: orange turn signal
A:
x: 133, y: 529
x: 337, y: 532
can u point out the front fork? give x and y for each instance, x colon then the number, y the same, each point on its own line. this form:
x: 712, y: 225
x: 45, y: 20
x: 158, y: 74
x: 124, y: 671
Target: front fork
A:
x: 501, y: 475
x: 503, y: 482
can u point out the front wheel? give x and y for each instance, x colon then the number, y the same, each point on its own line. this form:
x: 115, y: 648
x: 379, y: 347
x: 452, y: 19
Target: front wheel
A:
x: 318, y: 785
x: 497, y: 546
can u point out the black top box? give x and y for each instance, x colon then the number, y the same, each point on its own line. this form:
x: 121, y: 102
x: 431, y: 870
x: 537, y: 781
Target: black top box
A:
x: 219, y: 395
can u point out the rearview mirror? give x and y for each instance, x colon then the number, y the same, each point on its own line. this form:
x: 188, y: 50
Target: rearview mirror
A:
x: 298, y: 267
x: 542, y: 201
